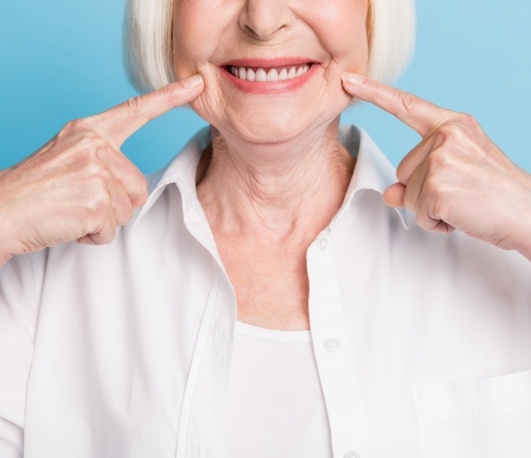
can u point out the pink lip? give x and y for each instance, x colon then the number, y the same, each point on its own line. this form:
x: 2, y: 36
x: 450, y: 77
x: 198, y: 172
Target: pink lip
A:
x: 270, y: 87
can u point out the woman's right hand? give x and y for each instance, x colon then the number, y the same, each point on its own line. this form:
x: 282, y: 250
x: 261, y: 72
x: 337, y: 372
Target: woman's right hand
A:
x: 79, y: 186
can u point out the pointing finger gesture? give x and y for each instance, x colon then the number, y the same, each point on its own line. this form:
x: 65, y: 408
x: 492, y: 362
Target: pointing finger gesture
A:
x: 79, y: 186
x: 455, y: 178
x: 121, y: 121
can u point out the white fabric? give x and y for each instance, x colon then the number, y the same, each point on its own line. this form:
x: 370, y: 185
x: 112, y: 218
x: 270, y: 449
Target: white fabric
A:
x: 273, y: 386
x: 422, y: 341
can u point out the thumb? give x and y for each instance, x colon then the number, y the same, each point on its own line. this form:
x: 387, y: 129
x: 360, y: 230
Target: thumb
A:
x: 394, y: 195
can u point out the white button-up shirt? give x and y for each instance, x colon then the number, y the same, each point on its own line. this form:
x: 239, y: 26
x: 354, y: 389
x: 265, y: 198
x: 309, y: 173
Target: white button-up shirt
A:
x: 422, y: 341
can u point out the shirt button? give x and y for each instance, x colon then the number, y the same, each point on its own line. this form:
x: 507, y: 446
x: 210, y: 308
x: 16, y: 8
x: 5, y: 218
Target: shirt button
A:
x: 323, y: 244
x: 332, y: 344
x: 352, y: 455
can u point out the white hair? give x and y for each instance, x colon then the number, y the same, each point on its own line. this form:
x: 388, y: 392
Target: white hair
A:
x: 148, y: 41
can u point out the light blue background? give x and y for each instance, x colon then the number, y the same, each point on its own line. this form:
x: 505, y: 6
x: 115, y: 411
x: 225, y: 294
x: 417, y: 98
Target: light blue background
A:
x: 61, y: 59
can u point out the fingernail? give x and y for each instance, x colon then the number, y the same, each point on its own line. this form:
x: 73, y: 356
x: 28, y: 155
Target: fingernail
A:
x: 192, y: 82
x: 353, y: 79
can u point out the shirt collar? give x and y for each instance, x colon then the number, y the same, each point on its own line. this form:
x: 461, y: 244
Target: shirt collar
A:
x: 180, y: 171
x: 373, y: 171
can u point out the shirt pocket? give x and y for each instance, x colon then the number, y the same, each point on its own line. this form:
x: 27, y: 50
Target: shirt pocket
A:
x: 483, y: 418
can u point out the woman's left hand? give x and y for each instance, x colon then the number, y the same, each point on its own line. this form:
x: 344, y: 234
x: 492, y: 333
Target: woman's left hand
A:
x: 456, y: 177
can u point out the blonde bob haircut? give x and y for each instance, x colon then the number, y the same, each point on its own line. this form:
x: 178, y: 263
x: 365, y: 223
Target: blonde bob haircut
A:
x: 148, y: 41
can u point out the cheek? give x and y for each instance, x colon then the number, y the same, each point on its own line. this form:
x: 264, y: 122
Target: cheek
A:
x: 341, y: 26
x: 198, y: 26
x: 191, y: 44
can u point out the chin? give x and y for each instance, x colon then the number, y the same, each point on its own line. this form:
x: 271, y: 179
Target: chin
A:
x: 278, y: 130
x: 272, y: 118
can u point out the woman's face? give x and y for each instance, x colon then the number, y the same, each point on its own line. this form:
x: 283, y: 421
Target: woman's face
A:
x: 301, y: 47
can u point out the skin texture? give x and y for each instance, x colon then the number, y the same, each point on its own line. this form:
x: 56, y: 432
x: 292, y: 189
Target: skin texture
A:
x: 81, y: 178
x: 456, y: 177
x: 208, y: 33
x: 276, y: 174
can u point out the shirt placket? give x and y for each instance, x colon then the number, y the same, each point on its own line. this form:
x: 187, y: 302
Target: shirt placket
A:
x: 208, y: 379
x: 334, y: 355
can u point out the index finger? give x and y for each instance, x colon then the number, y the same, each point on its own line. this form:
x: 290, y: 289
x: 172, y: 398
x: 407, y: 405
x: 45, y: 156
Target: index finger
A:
x: 417, y: 113
x: 120, y: 122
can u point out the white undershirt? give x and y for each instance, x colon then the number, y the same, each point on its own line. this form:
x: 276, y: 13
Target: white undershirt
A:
x: 275, y: 405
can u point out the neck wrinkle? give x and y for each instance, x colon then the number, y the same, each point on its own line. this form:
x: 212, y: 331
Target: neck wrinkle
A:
x: 274, y: 192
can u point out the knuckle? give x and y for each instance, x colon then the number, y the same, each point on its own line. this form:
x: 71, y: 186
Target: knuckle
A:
x: 423, y: 220
x: 87, y: 151
x: 434, y: 188
x: 433, y: 211
x: 73, y: 125
x: 96, y: 179
x: 450, y: 133
x: 98, y: 176
x: 170, y: 91
x: 107, y: 234
x: 174, y: 94
x: 98, y: 204
x: 90, y: 142
x: 467, y: 120
x: 77, y: 125
x: 406, y: 100
x: 134, y: 105
x: 70, y: 128
x: 441, y: 206
x: 438, y: 159
x: 139, y: 200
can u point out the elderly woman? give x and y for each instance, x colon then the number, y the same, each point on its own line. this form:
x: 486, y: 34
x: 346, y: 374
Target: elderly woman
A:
x: 277, y: 294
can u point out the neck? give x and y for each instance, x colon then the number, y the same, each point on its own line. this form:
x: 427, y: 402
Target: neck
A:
x: 274, y: 191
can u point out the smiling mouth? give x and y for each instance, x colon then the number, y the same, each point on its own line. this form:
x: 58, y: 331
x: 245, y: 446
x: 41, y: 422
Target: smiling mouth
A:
x: 265, y: 75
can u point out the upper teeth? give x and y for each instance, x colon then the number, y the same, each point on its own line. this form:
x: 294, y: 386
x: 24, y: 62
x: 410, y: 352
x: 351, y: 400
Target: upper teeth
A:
x: 273, y: 74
